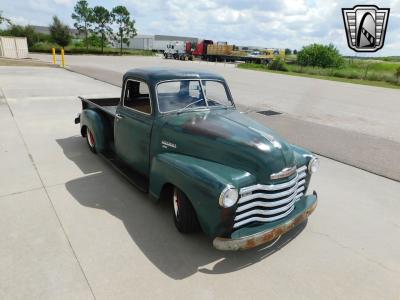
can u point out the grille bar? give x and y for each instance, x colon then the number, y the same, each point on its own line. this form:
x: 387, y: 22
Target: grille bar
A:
x: 272, y: 196
x: 265, y: 212
x: 259, y: 219
x: 268, y: 203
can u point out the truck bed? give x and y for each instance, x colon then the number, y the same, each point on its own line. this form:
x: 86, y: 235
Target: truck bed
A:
x: 107, y: 105
x: 107, y: 108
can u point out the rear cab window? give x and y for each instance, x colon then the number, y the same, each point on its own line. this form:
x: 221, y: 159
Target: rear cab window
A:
x: 137, y: 96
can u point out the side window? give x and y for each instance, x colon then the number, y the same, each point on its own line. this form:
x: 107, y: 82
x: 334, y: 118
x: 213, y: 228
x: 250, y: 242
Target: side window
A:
x: 137, y: 96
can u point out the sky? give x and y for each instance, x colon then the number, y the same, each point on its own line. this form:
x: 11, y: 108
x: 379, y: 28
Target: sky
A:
x: 264, y: 23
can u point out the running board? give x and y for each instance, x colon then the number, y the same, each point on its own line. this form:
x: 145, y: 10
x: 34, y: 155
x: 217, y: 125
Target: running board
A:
x: 139, y: 181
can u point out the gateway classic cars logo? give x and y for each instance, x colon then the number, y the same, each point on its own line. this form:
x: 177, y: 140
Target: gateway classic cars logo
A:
x: 365, y: 27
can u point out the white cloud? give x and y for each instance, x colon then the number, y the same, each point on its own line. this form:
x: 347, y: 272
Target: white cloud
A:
x: 285, y: 23
x: 18, y: 20
x: 64, y: 2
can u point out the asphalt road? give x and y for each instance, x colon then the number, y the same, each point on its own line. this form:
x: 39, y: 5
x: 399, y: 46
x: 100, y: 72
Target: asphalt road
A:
x: 72, y: 228
x: 358, y: 108
x: 375, y: 154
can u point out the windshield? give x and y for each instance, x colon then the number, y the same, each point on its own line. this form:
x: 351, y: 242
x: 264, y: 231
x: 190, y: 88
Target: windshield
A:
x: 181, y: 95
x: 216, y: 93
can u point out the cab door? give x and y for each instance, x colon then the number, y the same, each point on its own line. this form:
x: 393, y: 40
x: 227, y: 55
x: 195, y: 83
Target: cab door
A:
x: 132, y: 126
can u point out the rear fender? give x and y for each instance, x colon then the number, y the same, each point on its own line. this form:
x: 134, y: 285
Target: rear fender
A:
x: 92, y: 119
x: 202, y: 181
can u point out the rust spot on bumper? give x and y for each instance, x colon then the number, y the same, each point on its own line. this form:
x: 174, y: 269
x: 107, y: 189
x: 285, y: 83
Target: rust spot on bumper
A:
x: 263, y: 237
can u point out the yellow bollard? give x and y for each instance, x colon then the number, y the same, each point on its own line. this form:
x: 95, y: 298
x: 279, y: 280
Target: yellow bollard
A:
x: 53, y: 50
x: 62, y: 58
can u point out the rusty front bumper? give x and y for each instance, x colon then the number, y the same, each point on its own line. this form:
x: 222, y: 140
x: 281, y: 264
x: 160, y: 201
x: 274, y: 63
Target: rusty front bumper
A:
x: 253, y: 240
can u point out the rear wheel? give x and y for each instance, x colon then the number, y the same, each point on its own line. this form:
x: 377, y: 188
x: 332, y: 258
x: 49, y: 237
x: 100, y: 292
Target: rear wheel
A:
x: 184, y: 215
x: 90, y: 140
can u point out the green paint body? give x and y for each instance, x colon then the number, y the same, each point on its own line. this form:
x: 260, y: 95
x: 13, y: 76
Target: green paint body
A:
x: 199, y: 151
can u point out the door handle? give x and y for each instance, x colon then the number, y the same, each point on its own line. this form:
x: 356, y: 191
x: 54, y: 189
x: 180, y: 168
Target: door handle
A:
x: 119, y: 117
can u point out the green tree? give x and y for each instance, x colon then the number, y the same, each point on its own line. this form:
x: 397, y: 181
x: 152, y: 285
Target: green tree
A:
x: 28, y: 31
x: 295, y: 52
x: 60, y: 32
x: 288, y: 51
x: 126, y: 25
x: 83, y: 16
x: 4, y: 19
x: 277, y: 64
x: 318, y: 55
x: 102, y: 19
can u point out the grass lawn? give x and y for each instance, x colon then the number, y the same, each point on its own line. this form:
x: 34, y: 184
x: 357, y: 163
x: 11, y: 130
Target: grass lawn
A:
x: 71, y: 49
x: 366, y: 72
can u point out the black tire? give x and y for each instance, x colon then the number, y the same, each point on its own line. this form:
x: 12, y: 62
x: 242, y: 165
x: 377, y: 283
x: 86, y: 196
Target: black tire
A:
x: 183, y: 212
x: 90, y: 139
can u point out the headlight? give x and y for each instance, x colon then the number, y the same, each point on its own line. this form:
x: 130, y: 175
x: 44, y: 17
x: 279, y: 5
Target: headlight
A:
x: 228, y: 196
x: 313, y: 165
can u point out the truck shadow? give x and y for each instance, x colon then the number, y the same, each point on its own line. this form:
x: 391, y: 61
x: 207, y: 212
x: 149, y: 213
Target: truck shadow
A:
x: 150, y: 225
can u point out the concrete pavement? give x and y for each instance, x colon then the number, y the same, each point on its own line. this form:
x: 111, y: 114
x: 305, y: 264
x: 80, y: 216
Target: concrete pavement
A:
x: 74, y: 228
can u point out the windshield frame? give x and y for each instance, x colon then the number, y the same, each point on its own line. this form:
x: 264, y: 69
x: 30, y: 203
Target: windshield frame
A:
x: 223, y: 82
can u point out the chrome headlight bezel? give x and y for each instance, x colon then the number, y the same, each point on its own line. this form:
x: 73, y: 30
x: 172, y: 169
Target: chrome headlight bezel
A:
x: 313, y: 165
x: 229, y: 196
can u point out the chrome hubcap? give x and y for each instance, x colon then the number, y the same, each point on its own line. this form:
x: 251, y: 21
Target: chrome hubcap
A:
x: 90, y: 137
x: 175, y: 200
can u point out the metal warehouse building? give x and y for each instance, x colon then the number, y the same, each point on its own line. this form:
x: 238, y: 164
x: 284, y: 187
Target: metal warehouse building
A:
x: 157, y: 42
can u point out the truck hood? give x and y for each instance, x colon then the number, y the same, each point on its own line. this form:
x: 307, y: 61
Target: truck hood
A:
x: 230, y: 138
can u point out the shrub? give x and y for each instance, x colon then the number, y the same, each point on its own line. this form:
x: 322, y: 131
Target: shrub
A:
x: 73, y: 49
x: 317, y: 55
x: 397, y: 74
x: 277, y: 64
x: 93, y: 41
x: 31, y: 35
x: 60, y: 32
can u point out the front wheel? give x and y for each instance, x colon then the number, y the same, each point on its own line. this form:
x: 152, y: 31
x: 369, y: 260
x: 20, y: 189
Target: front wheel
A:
x: 184, y: 215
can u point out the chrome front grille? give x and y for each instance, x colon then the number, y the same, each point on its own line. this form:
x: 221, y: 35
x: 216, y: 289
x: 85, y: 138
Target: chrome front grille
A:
x: 267, y: 203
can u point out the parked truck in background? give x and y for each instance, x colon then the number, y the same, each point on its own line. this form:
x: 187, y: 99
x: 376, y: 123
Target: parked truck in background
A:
x: 177, y: 50
x: 220, y: 51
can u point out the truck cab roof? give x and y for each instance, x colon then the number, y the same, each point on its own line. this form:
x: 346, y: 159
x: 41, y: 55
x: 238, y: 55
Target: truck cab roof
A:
x: 154, y: 75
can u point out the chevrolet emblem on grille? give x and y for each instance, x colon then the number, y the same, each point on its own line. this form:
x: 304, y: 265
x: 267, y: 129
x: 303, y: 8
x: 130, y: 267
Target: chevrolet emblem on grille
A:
x: 284, y: 173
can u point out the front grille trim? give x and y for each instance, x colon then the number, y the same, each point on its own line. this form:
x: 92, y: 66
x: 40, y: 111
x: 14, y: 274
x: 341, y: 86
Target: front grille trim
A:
x: 275, y: 187
x: 268, y: 203
x: 265, y: 212
x: 272, y: 196
x: 259, y: 219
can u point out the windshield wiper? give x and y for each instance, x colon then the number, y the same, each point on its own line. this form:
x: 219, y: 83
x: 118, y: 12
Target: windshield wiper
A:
x: 187, y: 106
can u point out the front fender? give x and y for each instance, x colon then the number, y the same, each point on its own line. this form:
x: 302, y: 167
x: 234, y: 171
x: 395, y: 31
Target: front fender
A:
x: 92, y: 119
x: 202, y: 181
x: 302, y: 158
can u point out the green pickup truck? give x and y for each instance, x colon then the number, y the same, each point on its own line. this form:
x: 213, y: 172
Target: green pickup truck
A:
x: 177, y: 135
